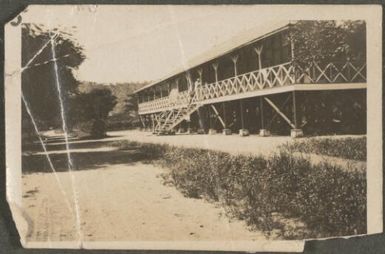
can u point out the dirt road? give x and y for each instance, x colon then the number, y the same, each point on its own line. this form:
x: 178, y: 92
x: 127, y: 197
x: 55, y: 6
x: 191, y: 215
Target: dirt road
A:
x: 123, y: 203
x: 121, y: 199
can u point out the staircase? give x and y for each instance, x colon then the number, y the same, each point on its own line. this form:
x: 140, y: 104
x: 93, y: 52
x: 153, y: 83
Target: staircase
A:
x: 167, y: 120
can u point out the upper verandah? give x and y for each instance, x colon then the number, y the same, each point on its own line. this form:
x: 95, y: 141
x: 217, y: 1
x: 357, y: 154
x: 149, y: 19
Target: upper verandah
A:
x: 303, y: 52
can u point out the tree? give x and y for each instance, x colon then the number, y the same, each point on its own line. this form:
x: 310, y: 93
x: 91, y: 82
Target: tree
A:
x: 131, y: 108
x: 328, y: 41
x: 125, y: 113
x: 39, y: 78
x: 92, y: 108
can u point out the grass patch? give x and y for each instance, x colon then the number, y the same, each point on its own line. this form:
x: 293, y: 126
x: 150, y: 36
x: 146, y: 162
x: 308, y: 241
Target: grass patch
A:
x: 346, y: 148
x: 282, y: 194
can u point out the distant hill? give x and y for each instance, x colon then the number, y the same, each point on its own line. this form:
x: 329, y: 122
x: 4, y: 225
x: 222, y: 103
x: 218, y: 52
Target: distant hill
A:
x: 121, y: 90
x: 124, y: 114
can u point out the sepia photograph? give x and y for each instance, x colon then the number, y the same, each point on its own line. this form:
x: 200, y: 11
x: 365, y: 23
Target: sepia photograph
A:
x: 206, y: 127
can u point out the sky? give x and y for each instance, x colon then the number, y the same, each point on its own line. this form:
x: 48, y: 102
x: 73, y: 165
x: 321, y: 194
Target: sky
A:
x: 130, y: 43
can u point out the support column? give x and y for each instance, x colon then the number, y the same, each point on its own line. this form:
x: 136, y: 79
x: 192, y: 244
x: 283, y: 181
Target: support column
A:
x: 262, y: 132
x: 215, y: 66
x: 189, y: 81
x: 201, y: 121
x: 153, y: 123
x: 258, y: 50
x: 168, y: 88
x: 198, y: 86
x: 177, y: 84
x: 235, y: 60
x: 211, y: 129
x: 200, y: 73
x: 143, y: 124
x: 189, y: 131
x: 225, y: 130
x: 296, y: 132
x: 147, y: 123
x: 243, y: 132
x: 180, y: 129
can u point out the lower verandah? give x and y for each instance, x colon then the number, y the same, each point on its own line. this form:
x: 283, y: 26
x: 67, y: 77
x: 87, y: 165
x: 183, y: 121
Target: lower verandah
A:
x: 314, y: 112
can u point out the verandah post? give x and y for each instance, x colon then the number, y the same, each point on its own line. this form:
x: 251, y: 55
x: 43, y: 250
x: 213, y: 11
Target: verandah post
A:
x: 296, y: 132
x: 261, y: 110
x: 242, y: 117
x: 199, y: 88
x: 148, y: 123
x: 258, y: 50
x: 295, y: 110
x: 201, y: 121
x: 235, y: 60
x: 262, y: 132
x: 215, y: 67
x: 242, y: 131
x: 225, y: 130
x: 211, y: 130
x: 153, y: 123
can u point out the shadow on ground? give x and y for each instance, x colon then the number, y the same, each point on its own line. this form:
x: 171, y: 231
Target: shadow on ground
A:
x: 85, y: 160
x: 59, y: 144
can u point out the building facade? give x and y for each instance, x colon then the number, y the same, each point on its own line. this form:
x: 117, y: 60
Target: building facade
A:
x: 254, y: 85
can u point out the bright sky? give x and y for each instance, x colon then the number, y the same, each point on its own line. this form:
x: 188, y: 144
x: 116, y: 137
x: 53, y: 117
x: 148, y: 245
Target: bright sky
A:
x: 137, y: 43
x: 126, y: 43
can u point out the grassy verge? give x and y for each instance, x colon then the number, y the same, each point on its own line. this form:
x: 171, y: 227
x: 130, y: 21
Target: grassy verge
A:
x: 347, y: 148
x: 282, y: 194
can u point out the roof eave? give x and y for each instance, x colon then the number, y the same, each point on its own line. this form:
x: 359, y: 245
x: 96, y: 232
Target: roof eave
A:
x: 277, y: 30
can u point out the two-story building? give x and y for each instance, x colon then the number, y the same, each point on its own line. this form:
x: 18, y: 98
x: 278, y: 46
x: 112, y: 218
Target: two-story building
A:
x: 251, y: 84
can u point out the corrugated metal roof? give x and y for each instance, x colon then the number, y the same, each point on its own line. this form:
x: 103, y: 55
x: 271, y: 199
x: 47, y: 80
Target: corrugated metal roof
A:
x: 242, y: 39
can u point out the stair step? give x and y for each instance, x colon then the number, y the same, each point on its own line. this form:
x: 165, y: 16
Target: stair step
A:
x: 173, y: 117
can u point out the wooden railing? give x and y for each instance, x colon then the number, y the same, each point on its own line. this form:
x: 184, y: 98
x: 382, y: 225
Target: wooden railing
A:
x: 172, y: 101
x: 279, y: 75
x: 337, y: 72
x: 266, y: 78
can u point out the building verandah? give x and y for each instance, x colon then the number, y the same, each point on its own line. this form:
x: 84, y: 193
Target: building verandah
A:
x: 312, y: 112
x: 258, y: 80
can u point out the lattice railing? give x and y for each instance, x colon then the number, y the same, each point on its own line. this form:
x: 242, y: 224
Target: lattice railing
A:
x: 180, y: 99
x: 275, y: 76
x: 336, y: 72
x: 156, y: 104
x: 266, y: 78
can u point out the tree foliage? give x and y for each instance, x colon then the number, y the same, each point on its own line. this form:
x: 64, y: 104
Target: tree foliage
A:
x: 328, y: 41
x: 125, y: 113
x: 39, y: 78
x: 93, y: 107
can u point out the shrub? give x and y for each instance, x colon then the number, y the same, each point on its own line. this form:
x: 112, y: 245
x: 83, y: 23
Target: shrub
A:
x: 329, y: 200
x: 98, y: 129
x: 347, y: 148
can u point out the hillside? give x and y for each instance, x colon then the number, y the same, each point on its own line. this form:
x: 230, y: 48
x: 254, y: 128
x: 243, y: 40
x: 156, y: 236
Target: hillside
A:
x: 124, y: 115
